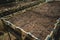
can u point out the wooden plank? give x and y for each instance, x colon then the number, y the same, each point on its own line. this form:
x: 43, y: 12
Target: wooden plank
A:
x: 54, y: 31
x: 18, y: 32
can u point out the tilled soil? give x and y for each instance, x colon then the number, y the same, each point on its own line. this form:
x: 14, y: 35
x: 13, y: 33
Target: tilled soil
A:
x: 39, y: 21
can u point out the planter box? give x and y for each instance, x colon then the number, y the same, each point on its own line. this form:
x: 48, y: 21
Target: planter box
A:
x: 35, y: 21
x: 12, y: 8
x: 30, y: 22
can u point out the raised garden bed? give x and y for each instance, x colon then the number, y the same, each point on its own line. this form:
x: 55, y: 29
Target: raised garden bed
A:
x: 40, y: 21
x: 17, y: 8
